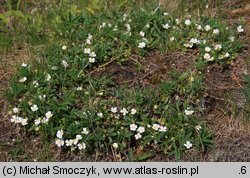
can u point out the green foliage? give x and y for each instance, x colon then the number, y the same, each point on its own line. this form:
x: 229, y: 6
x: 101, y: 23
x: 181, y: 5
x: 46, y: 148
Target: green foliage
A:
x: 59, y: 98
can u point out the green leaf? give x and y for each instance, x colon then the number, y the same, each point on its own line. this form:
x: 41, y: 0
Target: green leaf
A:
x: 145, y: 156
x: 12, y: 13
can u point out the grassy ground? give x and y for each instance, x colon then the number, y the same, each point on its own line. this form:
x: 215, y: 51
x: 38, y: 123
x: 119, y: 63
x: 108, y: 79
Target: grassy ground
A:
x: 227, y: 111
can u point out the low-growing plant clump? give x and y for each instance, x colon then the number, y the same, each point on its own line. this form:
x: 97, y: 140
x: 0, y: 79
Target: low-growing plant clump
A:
x: 60, y: 97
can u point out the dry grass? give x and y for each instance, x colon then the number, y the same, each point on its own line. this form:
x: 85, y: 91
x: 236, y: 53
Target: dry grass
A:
x: 225, y: 102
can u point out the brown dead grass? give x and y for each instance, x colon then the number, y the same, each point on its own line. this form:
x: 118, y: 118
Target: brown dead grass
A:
x: 149, y: 70
x: 224, y: 101
x: 8, y: 66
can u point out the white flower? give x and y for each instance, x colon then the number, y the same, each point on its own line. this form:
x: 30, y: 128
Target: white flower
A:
x: 59, y: 142
x: 142, y: 33
x: 37, y: 121
x: 79, y: 88
x: 133, y: 127
x: 162, y: 129
x: 166, y: 26
x: 188, y: 144
x: 133, y: 111
x: 48, y: 77
x: 199, y: 27
x: 155, y: 106
x: 114, y: 109
x: 240, y: 29
x: 88, y: 41
x: 207, y: 49
x: 24, y: 65
x: 216, y: 31
x: 115, y: 28
x: 128, y: 27
x: 224, y: 56
x: 194, y: 41
x: 69, y: 142
x: 102, y: 25
x: 78, y: 137
x: 81, y: 146
x: 165, y: 13
x: 48, y: 114
x: 188, y: 45
x: 13, y: 119
x: 177, y: 21
x: 142, y: 45
x: 100, y: 115
x: 207, y: 27
x: 187, y: 22
x: 24, y: 122
x: 207, y: 56
x: 65, y: 64
x: 34, y: 108
x: 87, y: 50
x: 211, y: 59
x: 15, y: 110
x: 42, y: 97
x: 45, y: 120
x: 35, y: 83
x: 188, y: 111
x: 125, y: 16
x: 198, y: 127
x: 64, y: 47
x: 115, y: 145
x: 54, y: 67
x: 23, y: 79
x: 218, y: 47
x: 85, y: 131
x: 75, y: 141
x: 59, y: 133
x: 137, y: 136
x: 141, y: 129
x: 231, y: 38
x: 172, y: 38
x: 100, y: 93
x: 220, y: 56
x: 124, y: 111
x: 90, y: 37
x: 91, y: 60
x: 92, y: 54
x: 156, y: 127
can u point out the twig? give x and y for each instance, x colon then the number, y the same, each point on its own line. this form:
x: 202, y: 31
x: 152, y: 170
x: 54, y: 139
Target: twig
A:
x: 236, y: 79
x: 101, y: 66
x: 4, y: 76
x: 214, y: 97
x: 137, y: 62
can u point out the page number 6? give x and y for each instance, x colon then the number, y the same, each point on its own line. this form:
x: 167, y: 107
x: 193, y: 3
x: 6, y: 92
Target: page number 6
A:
x: 243, y: 170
